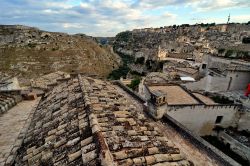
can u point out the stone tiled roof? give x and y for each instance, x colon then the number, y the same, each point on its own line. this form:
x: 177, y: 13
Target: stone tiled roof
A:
x: 85, y: 121
x: 6, y: 102
x: 43, y: 81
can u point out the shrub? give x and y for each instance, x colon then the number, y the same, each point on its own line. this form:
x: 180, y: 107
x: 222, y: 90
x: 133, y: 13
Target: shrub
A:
x: 221, y: 100
x: 134, y: 83
x: 140, y: 60
x: 135, y: 73
x: 229, y: 53
x: 246, y: 40
x: 123, y: 36
x: 54, y: 49
x: 123, y: 70
x: 148, y: 64
x: 118, y: 73
x: 32, y: 45
x: 221, y: 50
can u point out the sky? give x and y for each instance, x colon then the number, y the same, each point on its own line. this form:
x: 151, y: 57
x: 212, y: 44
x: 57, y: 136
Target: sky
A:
x: 109, y: 17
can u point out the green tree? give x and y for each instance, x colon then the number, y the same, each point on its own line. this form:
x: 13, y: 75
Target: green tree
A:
x: 221, y: 50
x: 140, y: 60
x: 124, y: 36
x: 134, y: 83
x: 246, y: 40
x: 229, y: 53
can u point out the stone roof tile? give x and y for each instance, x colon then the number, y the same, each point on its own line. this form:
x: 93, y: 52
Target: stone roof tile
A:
x: 85, y: 121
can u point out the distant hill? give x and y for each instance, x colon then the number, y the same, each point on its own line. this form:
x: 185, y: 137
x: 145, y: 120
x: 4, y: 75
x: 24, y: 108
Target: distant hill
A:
x: 30, y: 53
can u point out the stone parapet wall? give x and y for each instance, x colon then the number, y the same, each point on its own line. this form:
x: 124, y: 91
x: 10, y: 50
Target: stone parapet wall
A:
x: 236, y: 146
x: 200, y: 143
x: 201, y: 119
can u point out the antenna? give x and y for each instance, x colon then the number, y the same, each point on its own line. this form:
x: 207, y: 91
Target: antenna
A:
x: 228, y: 18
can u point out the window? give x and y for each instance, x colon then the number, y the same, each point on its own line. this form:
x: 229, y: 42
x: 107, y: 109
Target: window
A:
x: 204, y: 66
x: 164, y: 99
x: 159, y: 100
x: 218, y: 119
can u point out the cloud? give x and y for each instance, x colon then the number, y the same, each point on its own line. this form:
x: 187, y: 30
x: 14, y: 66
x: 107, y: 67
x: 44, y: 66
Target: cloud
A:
x: 151, y: 4
x: 170, y: 15
x: 72, y: 25
x: 240, y: 18
x: 104, y: 18
x: 209, y: 5
x: 201, y: 5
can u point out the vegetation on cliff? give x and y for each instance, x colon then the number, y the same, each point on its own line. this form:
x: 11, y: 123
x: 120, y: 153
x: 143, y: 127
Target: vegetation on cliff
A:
x: 123, y: 70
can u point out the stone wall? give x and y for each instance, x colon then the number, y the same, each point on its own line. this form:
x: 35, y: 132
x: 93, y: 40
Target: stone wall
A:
x: 244, y: 121
x: 201, y: 119
x: 235, y: 146
x: 234, y: 80
x: 143, y: 91
x: 209, y: 83
x: 240, y: 80
x: 200, y: 143
x: 129, y: 91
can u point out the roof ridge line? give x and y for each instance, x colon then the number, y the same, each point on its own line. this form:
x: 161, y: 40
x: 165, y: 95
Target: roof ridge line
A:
x: 105, y: 155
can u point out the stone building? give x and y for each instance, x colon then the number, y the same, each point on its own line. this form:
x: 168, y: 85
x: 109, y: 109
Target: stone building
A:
x: 188, y: 72
x: 9, y: 84
x: 10, y: 93
x: 222, y: 75
x: 197, y: 112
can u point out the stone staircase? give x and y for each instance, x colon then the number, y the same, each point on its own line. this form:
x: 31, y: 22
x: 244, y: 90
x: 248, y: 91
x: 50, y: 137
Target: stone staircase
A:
x: 6, y: 102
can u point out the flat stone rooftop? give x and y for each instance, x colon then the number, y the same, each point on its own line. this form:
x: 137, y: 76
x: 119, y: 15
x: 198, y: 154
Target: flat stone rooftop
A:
x: 205, y: 99
x: 175, y: 94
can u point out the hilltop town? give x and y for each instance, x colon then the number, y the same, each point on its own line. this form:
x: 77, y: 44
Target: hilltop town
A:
x: 185, y: 41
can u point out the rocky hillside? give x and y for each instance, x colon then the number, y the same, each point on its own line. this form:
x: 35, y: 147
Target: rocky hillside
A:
x: 30, y: 53
x: 185, y: 41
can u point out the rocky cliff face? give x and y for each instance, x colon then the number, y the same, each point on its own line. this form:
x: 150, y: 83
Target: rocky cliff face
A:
x: 30, y: 53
